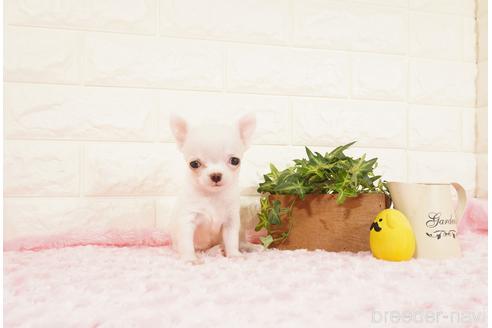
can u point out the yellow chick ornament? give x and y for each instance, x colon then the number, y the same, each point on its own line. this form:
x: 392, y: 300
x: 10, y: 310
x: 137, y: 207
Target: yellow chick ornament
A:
x: 391, y: 236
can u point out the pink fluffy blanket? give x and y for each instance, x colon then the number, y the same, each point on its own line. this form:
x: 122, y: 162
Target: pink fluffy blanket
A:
x: 475, y: 217
x: 94, y: 286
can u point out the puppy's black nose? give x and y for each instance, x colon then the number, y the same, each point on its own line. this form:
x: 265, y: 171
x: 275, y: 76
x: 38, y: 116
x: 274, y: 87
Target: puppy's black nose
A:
x: 216, y: 177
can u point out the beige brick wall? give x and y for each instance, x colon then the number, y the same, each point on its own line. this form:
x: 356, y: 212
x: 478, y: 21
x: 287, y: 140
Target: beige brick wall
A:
x: 482, y: 99
x: 90, y: 84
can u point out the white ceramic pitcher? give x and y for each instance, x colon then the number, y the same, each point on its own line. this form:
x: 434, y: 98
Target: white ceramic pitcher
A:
x: 429, y: 208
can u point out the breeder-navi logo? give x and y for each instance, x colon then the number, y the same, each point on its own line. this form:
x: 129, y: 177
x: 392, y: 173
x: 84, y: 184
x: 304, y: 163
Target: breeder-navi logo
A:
x: 430, y: 317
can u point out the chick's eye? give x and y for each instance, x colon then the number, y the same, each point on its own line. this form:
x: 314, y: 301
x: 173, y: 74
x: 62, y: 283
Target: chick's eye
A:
x: 234, y: 161
x: 380, y: 220
x: 195, y: 164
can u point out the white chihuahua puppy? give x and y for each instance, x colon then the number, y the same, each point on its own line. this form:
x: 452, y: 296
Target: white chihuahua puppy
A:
x: 206, y: 213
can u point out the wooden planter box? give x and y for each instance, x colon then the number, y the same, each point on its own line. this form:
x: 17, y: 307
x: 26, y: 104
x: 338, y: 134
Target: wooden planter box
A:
x: 320, y: 223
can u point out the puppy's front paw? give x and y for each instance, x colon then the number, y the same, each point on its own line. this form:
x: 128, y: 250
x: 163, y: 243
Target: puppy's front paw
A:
x: 197, y: 261
x: 234, y: 254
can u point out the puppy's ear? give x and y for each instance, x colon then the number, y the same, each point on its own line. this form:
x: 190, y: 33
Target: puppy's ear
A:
x: 179, y: 127
x: 247, y: 126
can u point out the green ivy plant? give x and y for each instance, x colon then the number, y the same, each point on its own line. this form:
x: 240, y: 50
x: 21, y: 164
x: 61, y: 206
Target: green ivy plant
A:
x: 270, y: 215
x: 331, y: 173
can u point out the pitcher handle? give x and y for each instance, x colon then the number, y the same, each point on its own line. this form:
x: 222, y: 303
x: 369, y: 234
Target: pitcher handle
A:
x: 460, y: 207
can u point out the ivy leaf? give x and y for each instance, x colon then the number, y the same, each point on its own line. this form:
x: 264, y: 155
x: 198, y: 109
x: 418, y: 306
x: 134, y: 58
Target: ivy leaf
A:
x: 274, y: 213
x: 309, y: 154
x: 338, y: 152
x: 290, y: 187
x: 266, y: 241
x: 274, y: 170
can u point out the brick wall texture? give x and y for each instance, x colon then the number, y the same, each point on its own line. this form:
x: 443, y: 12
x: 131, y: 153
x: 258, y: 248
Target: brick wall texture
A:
x: 89, y: 86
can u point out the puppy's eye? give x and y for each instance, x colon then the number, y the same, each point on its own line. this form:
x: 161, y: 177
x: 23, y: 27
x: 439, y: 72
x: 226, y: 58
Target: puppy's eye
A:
x: 234, y: 161
x: 195, y: 164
